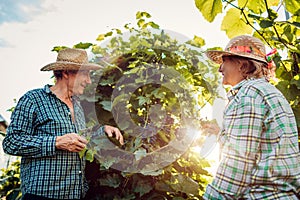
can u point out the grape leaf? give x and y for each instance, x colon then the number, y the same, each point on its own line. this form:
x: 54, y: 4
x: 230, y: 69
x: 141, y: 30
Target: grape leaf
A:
x: 233, y: 24
x: 209, y: 8
x: 292, y: 6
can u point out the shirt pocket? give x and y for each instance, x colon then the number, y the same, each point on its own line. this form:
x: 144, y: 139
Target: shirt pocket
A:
x: 54, y: 124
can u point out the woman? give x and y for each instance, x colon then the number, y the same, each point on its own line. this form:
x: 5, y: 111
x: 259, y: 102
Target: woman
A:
x: 259, y: 141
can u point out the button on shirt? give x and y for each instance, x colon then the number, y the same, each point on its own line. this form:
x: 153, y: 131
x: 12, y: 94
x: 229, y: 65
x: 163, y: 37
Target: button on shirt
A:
x: 37, y: 120
x: 259, y: 146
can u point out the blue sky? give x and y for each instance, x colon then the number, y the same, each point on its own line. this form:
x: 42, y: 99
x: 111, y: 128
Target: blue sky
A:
x: 18, y: 10
x: 29, y: 29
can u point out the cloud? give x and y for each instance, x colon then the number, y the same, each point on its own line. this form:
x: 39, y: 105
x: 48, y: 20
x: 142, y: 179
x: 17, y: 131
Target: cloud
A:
x: 4, y: 43
x: 17, y: 13
x: 19, y: 10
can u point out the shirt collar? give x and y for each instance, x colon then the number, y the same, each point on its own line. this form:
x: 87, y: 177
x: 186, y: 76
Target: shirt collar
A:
x: 235, y: 89
x: 48, y: 91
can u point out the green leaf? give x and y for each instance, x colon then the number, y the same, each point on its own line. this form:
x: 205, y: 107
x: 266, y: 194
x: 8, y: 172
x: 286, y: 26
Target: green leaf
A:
x: 82, y: 152
x: 296, y: 81
x: 108, y: 34
x: 141, y: 22
x: 289, y: 91
x: 185, y: 184
x: 257, y: 6
x: 100, y: 37
x: 140, y: 15
x: 215, y: 48
x: 272, y: 14
x: 118, y: 31
x: 266, y: 23
x: 143, y: 100
x: 288, y: 33
x: 292, y: 6
x: 297, y: 24
x: 140, y: 153
x: 153, y: 25
x: 197, y: 41
x: 82, y: 45
x: 110, y: 180
x: 106, y: 105
x: 108, y: 162
x: 142, y: 185
x: 234, y: 24
x: 89, y: 156
x: 273, y: 2
x: 209, y: 8
x: 58, y: 48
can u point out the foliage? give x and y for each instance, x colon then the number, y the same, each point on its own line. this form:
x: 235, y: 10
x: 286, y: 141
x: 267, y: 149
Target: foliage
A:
x: 152, y: 88
x: 184, y: 179
x: 261, y: 18
x: 10, y: 181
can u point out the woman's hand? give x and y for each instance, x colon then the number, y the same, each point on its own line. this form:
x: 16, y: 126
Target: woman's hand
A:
x: 210, y: 127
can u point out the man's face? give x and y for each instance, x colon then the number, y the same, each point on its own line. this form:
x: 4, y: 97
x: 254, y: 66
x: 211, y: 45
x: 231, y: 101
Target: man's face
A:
x: 78, y: 81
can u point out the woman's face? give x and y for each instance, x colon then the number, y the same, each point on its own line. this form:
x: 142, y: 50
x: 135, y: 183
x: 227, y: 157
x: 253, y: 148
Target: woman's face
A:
x: 230, y: 70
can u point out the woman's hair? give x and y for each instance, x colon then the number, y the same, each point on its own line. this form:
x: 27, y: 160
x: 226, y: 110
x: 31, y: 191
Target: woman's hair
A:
x: 251, y: 68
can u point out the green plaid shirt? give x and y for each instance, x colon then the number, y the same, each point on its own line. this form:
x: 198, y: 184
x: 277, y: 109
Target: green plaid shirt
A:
x: 36, y: 121
x: 259, y: 146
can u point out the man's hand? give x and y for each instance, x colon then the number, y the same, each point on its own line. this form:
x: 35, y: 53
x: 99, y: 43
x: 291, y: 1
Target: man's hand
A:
x: 71, y: 142
x: 113, y: 131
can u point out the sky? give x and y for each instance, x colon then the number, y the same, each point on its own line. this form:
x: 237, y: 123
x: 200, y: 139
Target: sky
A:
x: 29, y: 29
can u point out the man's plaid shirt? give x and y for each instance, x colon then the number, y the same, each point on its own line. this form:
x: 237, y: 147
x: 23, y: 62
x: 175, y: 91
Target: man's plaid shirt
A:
x: 259, y: 146
x: 36, y: 121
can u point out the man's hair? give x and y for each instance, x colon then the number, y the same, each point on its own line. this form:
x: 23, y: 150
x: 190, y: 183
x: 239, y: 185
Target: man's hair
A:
x: 251, y: 68
x: 58, y: 74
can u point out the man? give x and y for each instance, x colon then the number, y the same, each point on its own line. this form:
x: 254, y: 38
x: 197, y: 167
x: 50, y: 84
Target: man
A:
x: 259, y: 141
x: 44, y: 131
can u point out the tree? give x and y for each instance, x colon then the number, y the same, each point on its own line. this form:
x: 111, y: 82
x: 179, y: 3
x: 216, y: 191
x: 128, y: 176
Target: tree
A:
x: 153, y: 88
x: 261, y: 18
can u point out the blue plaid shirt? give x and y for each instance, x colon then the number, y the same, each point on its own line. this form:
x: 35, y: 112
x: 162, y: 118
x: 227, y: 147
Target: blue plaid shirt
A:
x: 37, y: 120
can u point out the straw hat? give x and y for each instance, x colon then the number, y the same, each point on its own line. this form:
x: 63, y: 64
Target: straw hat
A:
x: 242, y: 46
x: 71, y: 59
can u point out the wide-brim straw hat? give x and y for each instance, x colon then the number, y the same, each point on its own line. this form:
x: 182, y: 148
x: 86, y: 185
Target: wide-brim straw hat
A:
x: 242, y: 46
x: 71, y: 59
